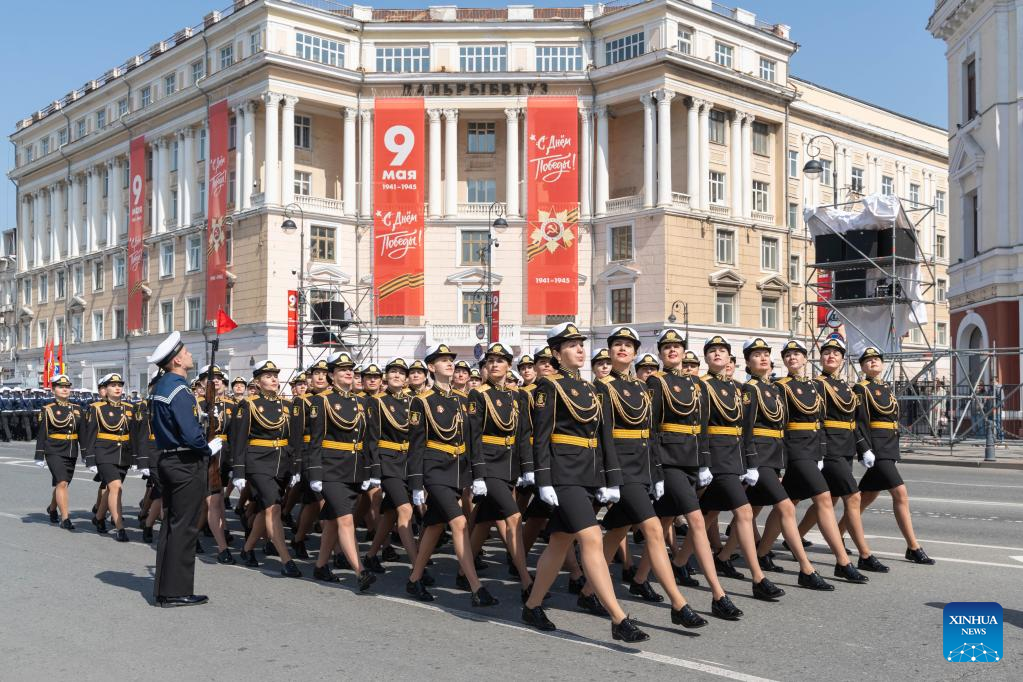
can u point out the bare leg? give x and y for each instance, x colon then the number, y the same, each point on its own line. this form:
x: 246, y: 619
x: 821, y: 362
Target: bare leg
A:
x: 549, y: 565
x: 346, y: 540
x: 829, y: 527
x: 900, y: 503
x: 427, y: 543
x: 531, y: 532
x: 598, y: 578
x: 257, y: 532
x: 384, y: 525
x: 656, y: 554
x: 275, y: 531
x: 742, y: 524
x: 114, y: 503
x: 215, y: 519
x: 783, y: 517
x: 852, y: 520
x: 60, y: 497
x: 306, y: 520
x: 697, y: 537
x: 328, y: 541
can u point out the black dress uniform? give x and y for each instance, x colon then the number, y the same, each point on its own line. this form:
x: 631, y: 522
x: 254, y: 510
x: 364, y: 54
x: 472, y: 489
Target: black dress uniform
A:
x: 106, y: 438
x: 763, y: 433
x: 57, y: 441
x: 880, y: 417
x: 223, y: 417
x: 679, y: 417
x: 724, y: 439
x: 845, y: 425
x: 805, y: 442
x: 392, y: 410
x: 260, y: 449
x: 438, y: 460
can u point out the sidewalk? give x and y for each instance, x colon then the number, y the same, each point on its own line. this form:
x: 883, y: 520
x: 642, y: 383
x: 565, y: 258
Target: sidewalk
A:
x: 965, y: 454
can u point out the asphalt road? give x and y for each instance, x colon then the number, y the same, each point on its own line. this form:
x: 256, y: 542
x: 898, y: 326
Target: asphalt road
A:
x: 78, y: 606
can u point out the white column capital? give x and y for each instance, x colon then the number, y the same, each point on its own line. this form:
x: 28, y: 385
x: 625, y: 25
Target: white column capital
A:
x: 271, y: 99
x: 664, y: 96
x: 647, y: 99
x: 748, y: 118
x: 366, y: 115
x: 188, y: 132
x: 248, y: 107
x: 697, y: 103
x: 434, y: 114
x: 586, y: 113
x: 160, y: 142
x: 290, y: 101
x: 349, y: 113
x: 451, y: 114
x: 512, y: 114
x: 601, y: 111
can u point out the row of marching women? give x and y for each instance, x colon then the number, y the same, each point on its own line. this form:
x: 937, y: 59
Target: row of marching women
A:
x: 434, y: 451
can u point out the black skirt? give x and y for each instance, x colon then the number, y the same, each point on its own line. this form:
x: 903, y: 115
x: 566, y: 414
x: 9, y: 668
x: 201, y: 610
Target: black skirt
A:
x: 266, y: 490
x: 574, y: 512
x: 395, y: 493
x: 838, y: 474
x: 498, y: 504
x: 442, y: 504
x: 62, y: 469
x: 768, y: 491
x: 339, y: 499
x: 634, y: 507
x: 884, y: 475
x: 724, y: 493
x: 108, y: 473
x: 537, y: 508
x: 803, y: 480
x: 679, y: 494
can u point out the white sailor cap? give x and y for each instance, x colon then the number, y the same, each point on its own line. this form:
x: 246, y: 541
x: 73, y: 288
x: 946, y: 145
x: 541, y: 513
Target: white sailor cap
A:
x: 167, y: 349
x: 515, y: 375
x: 438, y: 350
x: 60, y: 380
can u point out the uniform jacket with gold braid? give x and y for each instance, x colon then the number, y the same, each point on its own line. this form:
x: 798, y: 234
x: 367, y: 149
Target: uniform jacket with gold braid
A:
x: 630, y: 426
x: 259, y: 437
x: 106, y: 434
x: 764, y: 418
x: 572, y: 439
x: 342, y: 438
x: 880, y: 416
x: 438, y: 440
x: 804, y: 431
x: 391, y: 412
x: 844, y: 418
x: 223, y: 416
x: 724, y: 425
x: 679, y: 414
x: 142, y: 438
x: 500, y: 431
x: 60, y: 427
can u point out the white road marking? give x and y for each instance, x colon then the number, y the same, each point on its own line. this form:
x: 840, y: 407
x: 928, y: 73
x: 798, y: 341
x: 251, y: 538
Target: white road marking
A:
x: 1017, y: 558
x: 966, y: 485
x: 946, y: 500
x: 958, y: 561
x: 943, y: 542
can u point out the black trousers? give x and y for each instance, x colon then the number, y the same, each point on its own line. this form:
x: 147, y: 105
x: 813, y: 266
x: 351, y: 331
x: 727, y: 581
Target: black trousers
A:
x: 183, y: 486
x: 5, y: 426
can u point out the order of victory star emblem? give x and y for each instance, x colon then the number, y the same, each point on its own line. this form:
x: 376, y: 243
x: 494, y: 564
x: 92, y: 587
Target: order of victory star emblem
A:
x: 553, y: 231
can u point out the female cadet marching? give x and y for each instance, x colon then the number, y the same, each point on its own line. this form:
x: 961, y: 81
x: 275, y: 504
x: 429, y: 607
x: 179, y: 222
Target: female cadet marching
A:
x: 341, y: 462
x: 261, y: 457
x: 57, y: 443
x: 881, y: 417
x: 575, y: 465
x: 106, y: 442
x: 439, y: 472
x: 147, y: 456
x: 223, y: 413
x: 641, y: 475
x: 318, y: 376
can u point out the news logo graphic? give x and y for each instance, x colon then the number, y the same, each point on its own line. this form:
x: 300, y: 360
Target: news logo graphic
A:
x: 972, y: 632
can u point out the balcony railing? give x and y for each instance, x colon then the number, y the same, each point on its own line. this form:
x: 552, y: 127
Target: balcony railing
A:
x: 321, y: 204
x: 465, y: 334
x: 720, y: 208
x: 620, y: 205
x: 680, y: 200
x: 480, y: 209
x: 762, y: 217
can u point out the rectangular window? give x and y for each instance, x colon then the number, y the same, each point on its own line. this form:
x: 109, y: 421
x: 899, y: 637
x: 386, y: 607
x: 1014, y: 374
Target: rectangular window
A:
x: 119, y: 271
x: 825, y: 172
x: 473, y: 246
x: 105, y: 183
x: 226, y: 56
x: 769, y: 254
x: 120, y: 328
x: 97, y: 325
x: 717, y: 187
x: 857, y: 180
x: 303, y: 132
x: 80, y: 129
x: 198, y: 71
x: 26, y: 334
x: 793, y: 158
x: 716, y: 127
x: 79, y: 280
x: 761, y: 196
x: 793, y: 216
x: 483, y: 58
x: 795, y: 269
x: 27, y: 291
x: 939, y: 246
x: 77, y: 328
x: 303, y: 183
x: 122, y: 107
x: 724, y: 251
x: 174, y: 156
x: 620, y: 243
x: 915, y: 337
x: 621, y: 306
x: 231, y: 198
x: 939, y: 202
x: 685, y: 40
x: 767, y: 69
x: 941, y: 290
x: 146, y: 96
x: 170, y: 84
x: 887, y: 185
x: 232, y: 132
x: 174, y: 204
x: 481, y: 190
x: 44, y: 332
x: 98, y: 275
x: 202, y: 197
x: 322, y: 242
x: 44, y: 146
x: 769, y: 313
x: 970, y: 83
x: 723, y: 54
x: 255, y: 41
x: 61, y: 292
x: 194, y: 322
x: 166, y: 316
x: 317, y: 49
x: 941, y: 336
x: 481, y: 137
x: 193, y: 254
x: 626, y: 47
x: 202, y: 144
x: 761, y: 139
x: 914, y: 193
x: 472, y: 307
x: 724, y: 308
x: 559, y: 58
x: 101, y: 120
x: 61, y: 137
x: 167, y: 259
x: 44, y: 288
x: 406, y: 59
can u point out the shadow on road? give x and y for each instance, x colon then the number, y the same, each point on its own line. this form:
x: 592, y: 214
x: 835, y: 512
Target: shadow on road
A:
x: 142, y: 585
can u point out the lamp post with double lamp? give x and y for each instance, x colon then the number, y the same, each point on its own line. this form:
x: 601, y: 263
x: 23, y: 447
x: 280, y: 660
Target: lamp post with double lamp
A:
x: 289, y: 225
x: 672, y: 318
x: 499, y: 221
x: 814, y: 167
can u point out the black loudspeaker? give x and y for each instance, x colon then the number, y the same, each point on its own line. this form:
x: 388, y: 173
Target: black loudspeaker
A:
x: 860, y: 244
x: 850, y: 284
x: 829, y: 247
x: 324, y: 337
x: 896, y: 242
x: 329, y: 312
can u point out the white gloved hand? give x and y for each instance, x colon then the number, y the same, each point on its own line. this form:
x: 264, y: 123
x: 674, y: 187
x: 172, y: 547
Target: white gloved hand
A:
x: 479, y: 487
x: 520, y: 482
x: 41, y: 463
x: 134, y: 467
x: 614, y: 494
x: 868, y: 458
x: 365, y: 485
x: 548, y: 495
x: 418, y: 497
x: 374, y: 483
x: 704, y: 477
x: 658, y: 490
x: 93, y: 469
x: 295, y: 479
x: 239, y: 483
x: 316, y: 486
x: 751, y: 476
x: 215, y: 445
x: 820, y: 465
x: 145, y: 472
x: 602, y: 495
x: 529, y: 478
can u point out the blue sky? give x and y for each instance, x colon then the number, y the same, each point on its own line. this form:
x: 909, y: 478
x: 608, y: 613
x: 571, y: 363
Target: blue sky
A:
x: 877, y: 50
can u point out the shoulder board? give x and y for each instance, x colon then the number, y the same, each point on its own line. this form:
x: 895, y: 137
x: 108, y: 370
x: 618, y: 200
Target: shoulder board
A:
x: 705, y: 377
x: 460, y: 392
x: 865, y: 382
x: 606, y: 380
x: 250, y: 399
x: 660, y: 373
x: 554, y: 377
x: 529, y: 388
x: 425, y: 393
x: 100, y: 402
x: 783, y: 380
x: 753, y: 382
x: 484, y: 388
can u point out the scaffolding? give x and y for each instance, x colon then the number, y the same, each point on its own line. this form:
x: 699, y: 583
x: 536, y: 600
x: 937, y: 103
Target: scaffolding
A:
x: 334, y: 317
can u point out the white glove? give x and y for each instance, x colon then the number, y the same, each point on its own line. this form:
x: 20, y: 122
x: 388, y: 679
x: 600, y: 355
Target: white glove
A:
x: 529, y: 478
x: 418, y: 497
x: 751, y: 476
x: 868, y: 458
x: 365, y: 485
x: 41, y: 463
x: 548, y: 495
x: 520, y: 482
x: 93, y: 469
x: 479, y: 487
x: 134, y: 467
x: 316, y: 486
x: 295, y: 479
x: 239, y: 483
x: 820, y: 465
x: 614, y: 494
x: 374, y: 483
x: 215, y: 445
x: 145, y: 472
x: 704, y: 477
x: 658, y: 490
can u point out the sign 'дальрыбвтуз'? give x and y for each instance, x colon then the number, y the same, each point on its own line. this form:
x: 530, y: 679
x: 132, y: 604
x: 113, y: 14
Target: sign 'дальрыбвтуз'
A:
x: 471, y: 89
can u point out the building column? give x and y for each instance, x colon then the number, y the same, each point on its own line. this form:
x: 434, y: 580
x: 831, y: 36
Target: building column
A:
x: 664, y: 196
x: 524, y: 165
x: 704, y: 144
x: 601, y: 177
x: 37, y: 226
x: 511, y: 165
x: 23, y: 232
x: 163, y: 179
x: 434, y: 190
x: 239, y: 131
x: 288, y: 149
x: 693, y: 183
x: 366, y: 163
x: 735, y: 164
x: 187, y: 168
x: 74, y: 207
x: 649, y: 124
x: 585, y: 163
x: 450, y: 163
x: 248, y: 155
x: 747, y: 165
x: 114, y: 213
x: 91, y: 223
x: 271, y: 140
x: 53, y: 250
x: 348, y: 163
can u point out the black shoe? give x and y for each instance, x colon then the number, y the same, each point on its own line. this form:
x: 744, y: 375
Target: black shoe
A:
x: 537, y: 618
x: 100, y: 525
x: 726, y: 569
x: 687, y: 618
x: 121, y: 535
x: 814, y: 581
x: 67, y: 525
x: 427, y: 579
x: 198, y: 547
x: 871, y: 564
x: 628, y: 575
x: 248, y: 558
x: 724, y: 609
x: 365, y: 580
x: 590, y: 604
x: 850, y: 574
x: 418, y: 590
x: 645, y: 592
x: 628, y: 631
x: 147, y: 535
x: 325, y: 575
x: 190, y: 600
x: 767, y: 564
x: 269, y: 549
x: 372, y: 563
x: 142, y: 522
x: 765, y: 590
x: 290, y: 570
x: 341, y: 563
x: 919, y: 556
x: 482, y: 597
x: 224, y: 557
x: 575, y: 585
x: 298, y: 548
x: 462, y: 583
x: 389, y: 554
x: 683, y: 577
x: 54, y: 515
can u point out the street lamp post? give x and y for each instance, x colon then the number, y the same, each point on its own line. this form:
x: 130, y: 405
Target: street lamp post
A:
x: 288, y: 225
x: 488, y: 307
x: 672, y: 318
x: 814, y: 167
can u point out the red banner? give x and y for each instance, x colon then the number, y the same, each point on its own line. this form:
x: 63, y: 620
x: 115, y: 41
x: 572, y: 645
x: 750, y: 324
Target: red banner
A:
x: 216, y: 190
x: 495, y: 317
x: 398, y: 201
x: 293, y: 320
x: 823, y: 294
x: 552, y: 230
x: 136, y: 230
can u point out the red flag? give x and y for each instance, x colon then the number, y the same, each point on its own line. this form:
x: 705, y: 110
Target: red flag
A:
x: 60, y: 358
x: 47, y: 363
x: 224, y: 322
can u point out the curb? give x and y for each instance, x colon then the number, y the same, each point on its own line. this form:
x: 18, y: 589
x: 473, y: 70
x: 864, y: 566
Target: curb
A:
x: 977, y: 463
